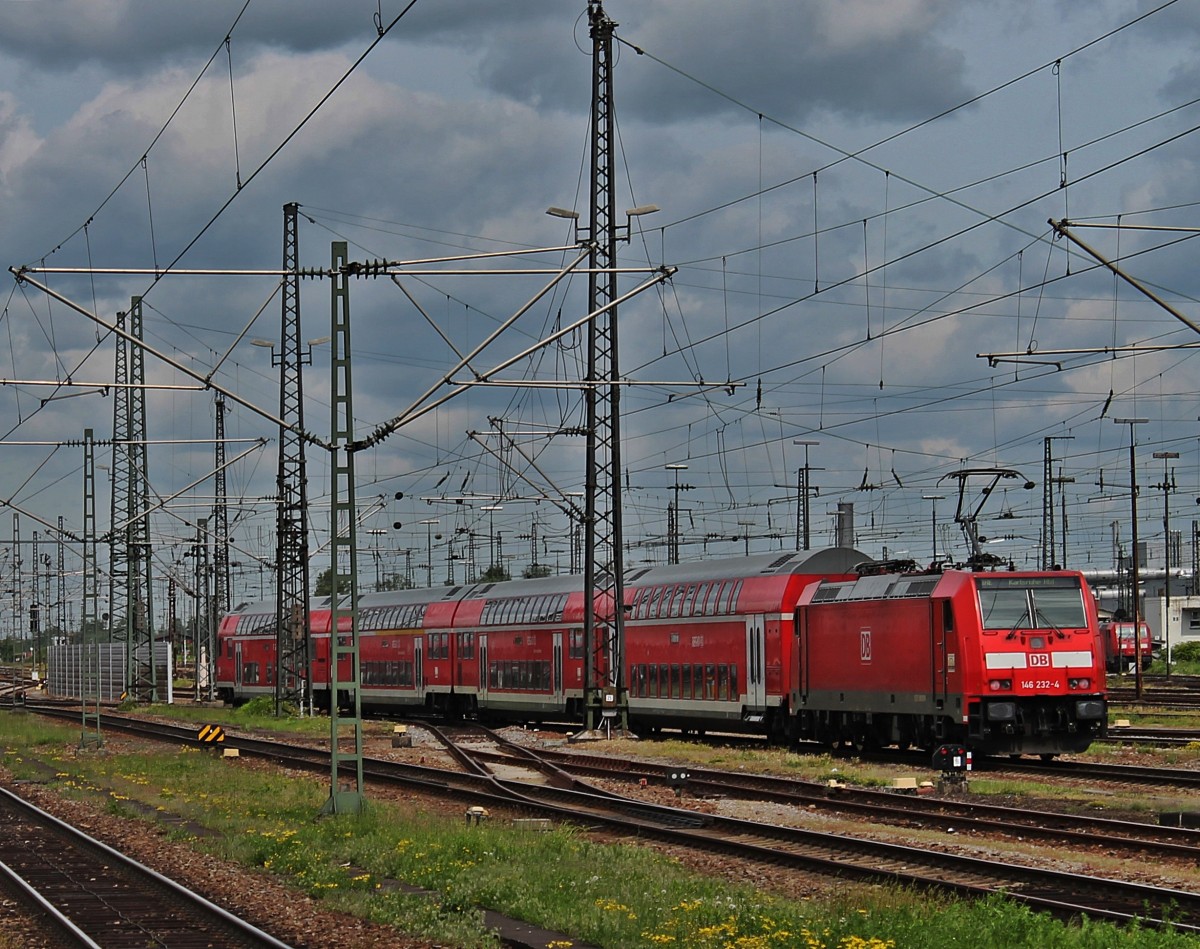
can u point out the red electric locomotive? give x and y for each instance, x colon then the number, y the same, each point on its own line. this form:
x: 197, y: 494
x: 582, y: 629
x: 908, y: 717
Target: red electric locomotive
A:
x: 1007, y: 663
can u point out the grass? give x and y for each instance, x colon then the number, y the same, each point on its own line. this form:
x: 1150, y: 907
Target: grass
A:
x: 618, y: 896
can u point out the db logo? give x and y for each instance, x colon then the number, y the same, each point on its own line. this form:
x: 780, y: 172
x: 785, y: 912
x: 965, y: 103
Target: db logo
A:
x: 1039, y: 659
x: 864, y: 645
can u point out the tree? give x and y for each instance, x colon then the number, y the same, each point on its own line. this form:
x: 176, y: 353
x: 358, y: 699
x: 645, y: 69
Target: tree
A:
x: 495, y: 574
x: 325, y: 583
x: 536, y: 570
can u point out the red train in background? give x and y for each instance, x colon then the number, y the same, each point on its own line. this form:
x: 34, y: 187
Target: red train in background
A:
x: 709, y: 646
x: 1120, y: 651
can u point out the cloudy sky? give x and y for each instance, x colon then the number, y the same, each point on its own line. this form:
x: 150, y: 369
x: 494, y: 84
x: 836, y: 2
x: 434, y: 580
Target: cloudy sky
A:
x: 855, y: 194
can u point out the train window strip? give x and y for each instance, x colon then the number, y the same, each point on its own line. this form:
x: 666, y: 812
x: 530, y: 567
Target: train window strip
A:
x: 409, y: 616
x: 713, y: 682
x: 529, y: 675
x: 540, y: 608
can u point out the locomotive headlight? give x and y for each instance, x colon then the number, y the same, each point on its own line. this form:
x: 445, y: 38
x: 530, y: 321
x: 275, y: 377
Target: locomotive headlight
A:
x: 1081, y: 683
x: 1000, y: 685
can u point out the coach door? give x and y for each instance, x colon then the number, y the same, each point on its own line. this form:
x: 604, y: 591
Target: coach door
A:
x: 556, y: 671
x: 943, y: 626
x: 483, y: 667
x: 756, y: 676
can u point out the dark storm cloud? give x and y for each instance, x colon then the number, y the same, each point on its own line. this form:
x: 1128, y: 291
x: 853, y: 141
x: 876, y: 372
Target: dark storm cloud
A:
x: 127, y: 36
x: 788, y: 59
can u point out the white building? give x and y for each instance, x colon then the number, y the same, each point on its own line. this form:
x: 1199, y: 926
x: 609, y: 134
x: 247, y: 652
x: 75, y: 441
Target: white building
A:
x: 1181, y: 624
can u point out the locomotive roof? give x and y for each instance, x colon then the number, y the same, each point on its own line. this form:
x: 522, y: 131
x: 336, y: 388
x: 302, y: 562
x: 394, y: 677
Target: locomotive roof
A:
x: 890, y: 586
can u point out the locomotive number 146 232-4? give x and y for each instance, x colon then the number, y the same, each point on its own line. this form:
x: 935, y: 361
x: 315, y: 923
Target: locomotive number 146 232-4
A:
x: 1040, y: 684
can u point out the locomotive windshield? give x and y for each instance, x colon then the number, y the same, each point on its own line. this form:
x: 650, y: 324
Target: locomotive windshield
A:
x: 1031, y: 602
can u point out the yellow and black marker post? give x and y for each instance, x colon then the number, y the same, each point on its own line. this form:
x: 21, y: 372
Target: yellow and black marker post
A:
x: 211, y: 734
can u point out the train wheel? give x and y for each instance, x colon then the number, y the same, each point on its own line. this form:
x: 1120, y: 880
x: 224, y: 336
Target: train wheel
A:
x: 1047, y: 757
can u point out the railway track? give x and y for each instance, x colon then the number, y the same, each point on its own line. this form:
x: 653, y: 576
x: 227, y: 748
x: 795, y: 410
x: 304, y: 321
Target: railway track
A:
x: 1155, y: 698
x: 888, y: 807
x: 549, y: 790
x: 93, y: 896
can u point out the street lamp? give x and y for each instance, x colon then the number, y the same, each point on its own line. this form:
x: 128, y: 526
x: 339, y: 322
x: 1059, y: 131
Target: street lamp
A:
x: 802, y: 496
x: 429, y: 522
x: 277, y: 357
x: 1133, y: 560
x: 673, y: 515
x: 933, y: 519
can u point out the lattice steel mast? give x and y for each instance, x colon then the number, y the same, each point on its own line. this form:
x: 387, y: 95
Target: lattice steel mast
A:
x: 220, y: 518
x: 90, y: 691
x: 130, y: 577
x: 603, y: 634
x: 344, y: 666
x: 291, y: 552
x: 1048, y: 482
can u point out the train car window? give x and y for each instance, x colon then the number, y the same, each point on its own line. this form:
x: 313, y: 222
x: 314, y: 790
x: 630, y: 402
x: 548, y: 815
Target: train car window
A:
x: 675, y: 680
x: 1004, y: 608
x: 639, y: 603
x: 689, y: 600
x: 677, y: 600
x: 733, y: 682
x: 723, y: 682
x: 947, y: 616
x: 662, y: 596
x: 711, y: 608
x: 649, y: 602
x: 733, y: 599
x: 1062, y: 608
x: 686, y: 670
x: 701, y: 596
x: 652, y: 684
x: 723, y: 598
x: 710, y: 681
x: 670, y: 599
